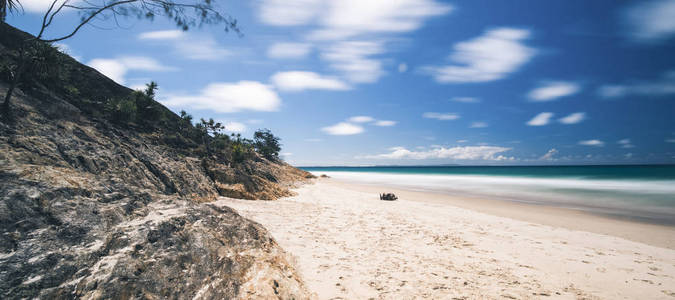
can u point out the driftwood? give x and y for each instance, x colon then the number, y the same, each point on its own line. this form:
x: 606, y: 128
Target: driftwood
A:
x: 388, y: 197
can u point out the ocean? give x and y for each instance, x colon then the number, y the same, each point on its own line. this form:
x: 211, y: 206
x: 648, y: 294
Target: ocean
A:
x: 637, y: 192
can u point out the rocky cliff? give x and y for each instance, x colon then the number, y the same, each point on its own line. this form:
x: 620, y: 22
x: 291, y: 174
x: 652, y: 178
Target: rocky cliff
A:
x: 93, y: 209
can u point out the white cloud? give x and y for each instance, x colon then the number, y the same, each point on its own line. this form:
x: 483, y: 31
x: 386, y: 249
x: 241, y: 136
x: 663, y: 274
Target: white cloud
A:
x: 289, y: 50
x: 462, y: 141
x: 441, y: 116
x: 489, y: 57
x: 652, y: 20
x: 670, y: 140
x: 112, y: 68
x: 663, y: 86
x: 350, y: 33
x: 288, y: 12
x: 625, y: 143
x: 456, y: 153
x: 343, y: 128
x: 553, y: 90
x: 302, y: 80
x: 465, y: 99
x: 612, y: 91
x: 36, y: 6
x: 201, y: 49
x: 385, y: 123
x: 402, y: 67
x: 573, y: 118
x: 188, y: 46
x: 549, y: 155
x: 541, y: 119
x: 354, y: 60
x: 361, y: 119
x: 348, y: 18
x: 478, y: 125
x: 117, y: 68
x: 595, y: 143
x: 162, y: 35
x: 234, y: 126
x: 230, y: 97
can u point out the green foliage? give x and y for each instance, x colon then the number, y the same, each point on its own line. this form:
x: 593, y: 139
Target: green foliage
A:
x: 71, y: 90
x: 139, y: 108
x: 241, y: 148
x: 43, y: 63
x: 122, y: 111
x: 267, y: 144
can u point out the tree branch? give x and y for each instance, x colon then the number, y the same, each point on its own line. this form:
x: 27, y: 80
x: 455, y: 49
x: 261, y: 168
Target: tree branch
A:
x: 85, y: 21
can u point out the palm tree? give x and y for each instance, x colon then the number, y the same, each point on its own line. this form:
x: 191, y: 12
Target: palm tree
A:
x: 7, y: 6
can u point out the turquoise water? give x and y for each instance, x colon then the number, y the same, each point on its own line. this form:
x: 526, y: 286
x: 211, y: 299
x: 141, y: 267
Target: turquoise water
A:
x: 645, y: 193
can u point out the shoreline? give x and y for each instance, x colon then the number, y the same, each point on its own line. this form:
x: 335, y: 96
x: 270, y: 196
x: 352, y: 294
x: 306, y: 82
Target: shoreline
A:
x: 660, y: 235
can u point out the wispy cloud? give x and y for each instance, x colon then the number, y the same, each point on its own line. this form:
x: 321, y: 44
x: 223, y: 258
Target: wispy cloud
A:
x: 541, y: 119
x: 594, y: 143
x: 162, y: 35
x: 385, y: 123
x: 188, y: 46
x: 489, y: 57
x: 553, y: 90
x: 303, y: 80
x: 289, y: 12
x: 490, y: 153
x: 465, y: 99
x: 289, y: 50
x: 478, y: 125
x: 234, y: 126
x: 361, y: 119
x: 573, y: 118
x: 549, y: 155
x: 36, y: 6
x: 343, y: 128
x: 663, y: 86
x: 349, y: 34
x: 402, y: 67
x: 229, y: 97
x: 354, y: 60
x: 652, y: 20
x: 625, y: 143
x: 117, y: 68
x: 441, y: 116
x: 350, y: 18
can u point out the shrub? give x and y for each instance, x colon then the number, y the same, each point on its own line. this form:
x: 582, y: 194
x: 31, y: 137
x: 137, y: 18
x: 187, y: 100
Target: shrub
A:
x: 267, y: 144
x: 122, y: 111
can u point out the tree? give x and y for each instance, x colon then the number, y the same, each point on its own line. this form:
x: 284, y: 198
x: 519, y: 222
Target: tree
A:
x: 211, y: 131
x: 185, y: 14
x: 7, y: 6
x: 267, y: 144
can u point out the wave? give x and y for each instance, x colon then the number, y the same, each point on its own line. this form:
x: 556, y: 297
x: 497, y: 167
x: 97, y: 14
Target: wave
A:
x: 652, y: 200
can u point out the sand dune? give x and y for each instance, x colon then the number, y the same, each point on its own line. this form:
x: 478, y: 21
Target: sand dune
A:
x: 349, y: 245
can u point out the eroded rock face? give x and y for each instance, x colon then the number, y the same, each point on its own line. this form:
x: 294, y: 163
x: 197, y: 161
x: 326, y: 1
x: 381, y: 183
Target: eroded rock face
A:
x: 97, y: 211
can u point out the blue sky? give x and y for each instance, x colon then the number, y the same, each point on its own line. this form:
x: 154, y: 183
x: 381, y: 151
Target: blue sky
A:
x: 412, y: 81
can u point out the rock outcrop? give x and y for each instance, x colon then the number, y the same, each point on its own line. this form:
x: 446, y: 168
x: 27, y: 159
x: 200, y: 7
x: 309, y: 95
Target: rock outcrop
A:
x: 90, y: 209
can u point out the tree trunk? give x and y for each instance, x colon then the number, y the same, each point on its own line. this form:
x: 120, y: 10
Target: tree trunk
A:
x: 6, y: 113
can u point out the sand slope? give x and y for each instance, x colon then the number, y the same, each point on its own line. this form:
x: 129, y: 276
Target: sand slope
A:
x: 350, y: 245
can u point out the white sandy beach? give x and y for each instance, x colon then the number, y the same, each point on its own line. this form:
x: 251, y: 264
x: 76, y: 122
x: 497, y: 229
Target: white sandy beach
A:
x: 350, y: 245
